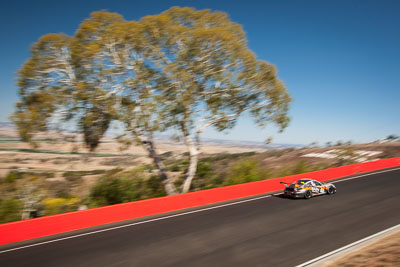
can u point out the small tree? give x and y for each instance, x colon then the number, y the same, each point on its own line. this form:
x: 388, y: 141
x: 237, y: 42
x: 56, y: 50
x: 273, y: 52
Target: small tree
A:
x: 339, y: 143
x: 392, y: 137
x: 313, y: 144
x: 328, y: 144
x: 10, y: 210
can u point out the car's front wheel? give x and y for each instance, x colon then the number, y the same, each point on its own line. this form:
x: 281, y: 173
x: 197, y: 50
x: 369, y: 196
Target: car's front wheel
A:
x: 308, y: 195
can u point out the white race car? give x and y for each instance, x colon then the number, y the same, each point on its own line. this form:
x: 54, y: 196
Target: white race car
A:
x: 307, y: 188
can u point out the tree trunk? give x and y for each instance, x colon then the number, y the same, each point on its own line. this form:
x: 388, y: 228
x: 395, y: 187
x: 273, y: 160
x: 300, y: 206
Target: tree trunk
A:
x: 168, y: 185
x: 194, y: 152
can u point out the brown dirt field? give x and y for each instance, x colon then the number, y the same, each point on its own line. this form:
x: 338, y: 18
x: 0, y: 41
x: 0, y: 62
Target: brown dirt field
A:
x: 135, y: 156
x: 58, y: 163
x: 66, y: 162
x: 383, y: 252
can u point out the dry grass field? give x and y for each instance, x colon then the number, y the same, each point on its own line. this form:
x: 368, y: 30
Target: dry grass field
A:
x: 57, y: 157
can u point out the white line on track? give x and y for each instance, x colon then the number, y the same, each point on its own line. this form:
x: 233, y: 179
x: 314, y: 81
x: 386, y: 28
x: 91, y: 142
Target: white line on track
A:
x: 136, y: 223
x: 362, y: 175
x: 174, y: 215
x: 368, y: 238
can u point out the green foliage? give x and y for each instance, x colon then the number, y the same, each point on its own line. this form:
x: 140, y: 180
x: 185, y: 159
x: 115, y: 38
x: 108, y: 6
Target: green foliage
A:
x: 178, y: 165
x: 125, y: 187
x: 114, y: 171
x: 392, y: 137
x: 12, y: 176
x: 73, y: 177
x: 76, y: 176
x: 204, y: 174
x: 94, y: 124
x: 166, y: 155
x: 60, y: 205
x: 211, y: 171
x: 243, y: 172
x: 113, y: 191
x: 203, y: 169
x: 275, y: 153
x: 10, y: 210
x: 301, y: 167
x: 174, y: 167
x: 206, y: 177
x: 46, y: 174
x: 339, y: 143
x: 241, y: 169
x: 182, y: 165
x: 60, y: 189
x: 226, y: 156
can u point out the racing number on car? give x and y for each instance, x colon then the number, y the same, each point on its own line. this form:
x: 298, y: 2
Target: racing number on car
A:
x: 315, y: 189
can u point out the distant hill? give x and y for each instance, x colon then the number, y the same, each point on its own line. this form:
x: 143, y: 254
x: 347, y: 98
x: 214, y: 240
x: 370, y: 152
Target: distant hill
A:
x: 243, y: 143
x: 6, y: 125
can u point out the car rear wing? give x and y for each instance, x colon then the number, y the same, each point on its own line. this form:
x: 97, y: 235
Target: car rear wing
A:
x: 286, y: 184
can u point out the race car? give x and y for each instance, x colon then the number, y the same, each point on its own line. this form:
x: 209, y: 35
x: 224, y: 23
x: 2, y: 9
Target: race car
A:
x: 307, y: 188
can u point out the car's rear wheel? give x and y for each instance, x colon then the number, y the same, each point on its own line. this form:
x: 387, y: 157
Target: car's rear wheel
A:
x: 307, y: 195
x: 331, y: 190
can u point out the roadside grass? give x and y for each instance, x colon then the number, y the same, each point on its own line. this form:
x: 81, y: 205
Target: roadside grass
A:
x: 230, y: 169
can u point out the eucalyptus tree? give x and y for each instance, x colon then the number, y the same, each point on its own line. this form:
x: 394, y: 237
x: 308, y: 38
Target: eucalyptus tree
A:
x: 181, y: 69
x: 100, y: 74
x: 210, y: 76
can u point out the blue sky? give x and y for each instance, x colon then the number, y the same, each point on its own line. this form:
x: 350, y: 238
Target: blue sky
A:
x: 339, y: 59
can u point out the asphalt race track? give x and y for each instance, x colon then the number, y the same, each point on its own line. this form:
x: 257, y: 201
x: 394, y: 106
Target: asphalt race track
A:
x: 271, y: 231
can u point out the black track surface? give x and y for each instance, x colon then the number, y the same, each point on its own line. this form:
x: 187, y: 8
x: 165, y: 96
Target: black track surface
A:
x: 273, y: 231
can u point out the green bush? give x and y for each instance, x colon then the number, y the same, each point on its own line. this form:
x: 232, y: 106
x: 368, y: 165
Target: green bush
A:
x: 125, y: 187
x: 243, y: 172
x: 60, y: 189
x: 113, y: 171
x: 226, y: 156
x: 12, y: 176
x: 110, y: 191
x: 10, y: 210
x: 174, y: 167
x: 166, y: 155
x: 301, y: 167
x: 60, y: 205
x: 203, y: 169
x: 206, y: 177
x: 73, y: 177
x: 177, y: 165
